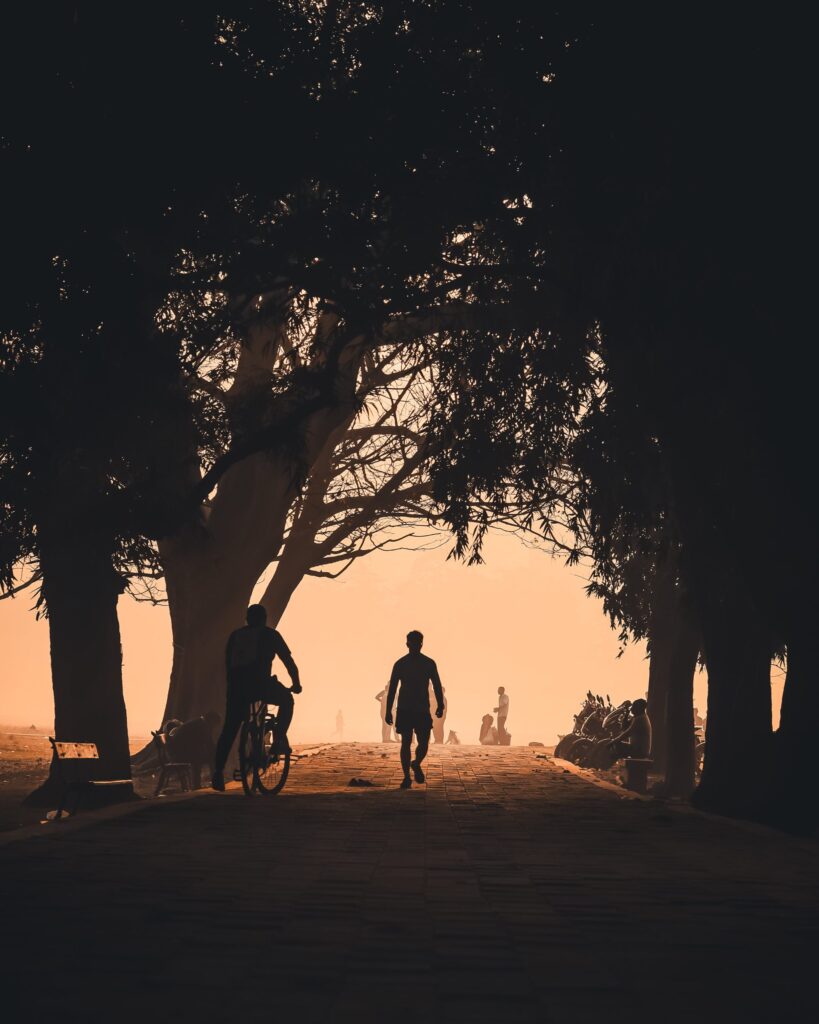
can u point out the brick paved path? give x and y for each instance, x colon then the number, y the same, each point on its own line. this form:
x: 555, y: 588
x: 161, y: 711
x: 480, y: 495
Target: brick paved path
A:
x: 505, y: 890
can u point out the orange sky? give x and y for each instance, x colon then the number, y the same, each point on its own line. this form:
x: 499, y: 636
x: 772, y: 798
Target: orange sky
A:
x: 522, y: 621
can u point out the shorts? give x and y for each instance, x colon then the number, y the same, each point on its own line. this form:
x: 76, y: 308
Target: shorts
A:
x: 410, y: 721
x: 248, y: 691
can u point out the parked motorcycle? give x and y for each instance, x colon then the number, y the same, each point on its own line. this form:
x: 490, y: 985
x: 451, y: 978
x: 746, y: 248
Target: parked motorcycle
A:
x: 601, y: 754
x: 565, y: 743
x: 587, y: 727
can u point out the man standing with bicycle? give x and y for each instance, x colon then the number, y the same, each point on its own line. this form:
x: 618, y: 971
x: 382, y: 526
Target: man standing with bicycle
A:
x: 248, y: 661
x: 415, y: 671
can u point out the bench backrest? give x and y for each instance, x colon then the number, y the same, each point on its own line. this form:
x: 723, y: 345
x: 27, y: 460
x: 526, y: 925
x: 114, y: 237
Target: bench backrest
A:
x: 74, y: 751
x: 76, y: 763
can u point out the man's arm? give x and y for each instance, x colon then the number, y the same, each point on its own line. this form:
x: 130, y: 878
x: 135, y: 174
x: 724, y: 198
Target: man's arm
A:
x: 437, y: 690
x: 283, y: 652
x: 391, y: 693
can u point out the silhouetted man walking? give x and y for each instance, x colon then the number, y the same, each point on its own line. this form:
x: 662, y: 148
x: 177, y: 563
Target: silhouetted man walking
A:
x: 248, y: 660
x: 414, y: 672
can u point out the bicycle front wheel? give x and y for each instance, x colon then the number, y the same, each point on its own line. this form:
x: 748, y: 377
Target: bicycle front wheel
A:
x: 272, y: 773
x: 247, y: 758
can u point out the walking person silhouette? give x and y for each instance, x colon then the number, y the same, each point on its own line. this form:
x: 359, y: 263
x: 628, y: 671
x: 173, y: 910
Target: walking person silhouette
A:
x: 414, y: 672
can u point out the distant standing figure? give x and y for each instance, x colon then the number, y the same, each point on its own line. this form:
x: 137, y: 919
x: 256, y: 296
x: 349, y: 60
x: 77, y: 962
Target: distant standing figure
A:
x: 453, y: 738
x: 339, y: 725
x: 414, y: 672
x: 502, y: 711
x: 489, y: 734
x: 438, y: 723
x: 386, y: 730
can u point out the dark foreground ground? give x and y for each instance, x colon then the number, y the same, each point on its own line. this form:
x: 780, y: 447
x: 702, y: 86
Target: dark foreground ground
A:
x: 505, y: 890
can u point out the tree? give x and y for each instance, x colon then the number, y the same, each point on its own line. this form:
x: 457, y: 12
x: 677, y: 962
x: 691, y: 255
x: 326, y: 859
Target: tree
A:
x: 421, y: 234
x: 572, y: 483
x: 673, y: 208
x: 159, y: 239
x: 95, y: 426
x: 691, y: 327
x: 91, y: 408
x: 366, y: 483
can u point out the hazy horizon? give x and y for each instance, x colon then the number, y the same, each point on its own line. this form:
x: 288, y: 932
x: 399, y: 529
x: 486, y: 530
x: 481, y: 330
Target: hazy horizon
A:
x: 522, y: 620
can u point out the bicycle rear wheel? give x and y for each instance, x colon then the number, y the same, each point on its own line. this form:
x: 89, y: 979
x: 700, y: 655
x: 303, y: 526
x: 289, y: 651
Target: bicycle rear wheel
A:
x: 247, y: 758
x: 272, y: 773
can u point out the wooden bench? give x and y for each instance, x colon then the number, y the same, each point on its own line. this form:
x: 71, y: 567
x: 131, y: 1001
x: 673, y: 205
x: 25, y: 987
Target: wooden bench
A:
x: 76, y: 763
x: 637, y: 773
x: 168, y: 768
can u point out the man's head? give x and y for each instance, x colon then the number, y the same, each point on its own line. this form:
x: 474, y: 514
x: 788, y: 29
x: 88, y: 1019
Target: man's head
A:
x: 639, y: 707
x: 256, y: 615
x: 501, y: 689
x: 415, y: 641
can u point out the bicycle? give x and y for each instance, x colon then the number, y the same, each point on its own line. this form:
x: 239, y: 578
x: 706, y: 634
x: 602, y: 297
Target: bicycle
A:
x: 260, y: 768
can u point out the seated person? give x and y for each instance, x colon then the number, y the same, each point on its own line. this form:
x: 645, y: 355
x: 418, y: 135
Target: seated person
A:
x: 194, y: 742
x: 489, y: 734
x: 635, y: 739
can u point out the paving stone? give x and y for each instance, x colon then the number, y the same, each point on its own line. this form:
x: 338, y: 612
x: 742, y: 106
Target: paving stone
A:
x: 503, y: 890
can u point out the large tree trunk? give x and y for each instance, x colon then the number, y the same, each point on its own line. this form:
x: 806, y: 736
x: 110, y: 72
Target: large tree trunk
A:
x: 679, y: 764
x: 736, y: 774
x: 660, y: 645
x: 800, y: 699
x: 205, y: 609
x: 210, y: 574
x: 81, y: 589
x: 211, y: 571
x: 212, y: 568
x: 289, y: 573
x: 674, y: 644
x: 794, y: 789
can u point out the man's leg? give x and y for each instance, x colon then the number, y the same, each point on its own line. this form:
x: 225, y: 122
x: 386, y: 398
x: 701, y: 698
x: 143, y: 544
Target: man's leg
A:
x: 406, y: 756
x: 421, y: 748
x: 501, y: 730
x: 234, y: 713
x: 385, y: 732
x: 275, y: 692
